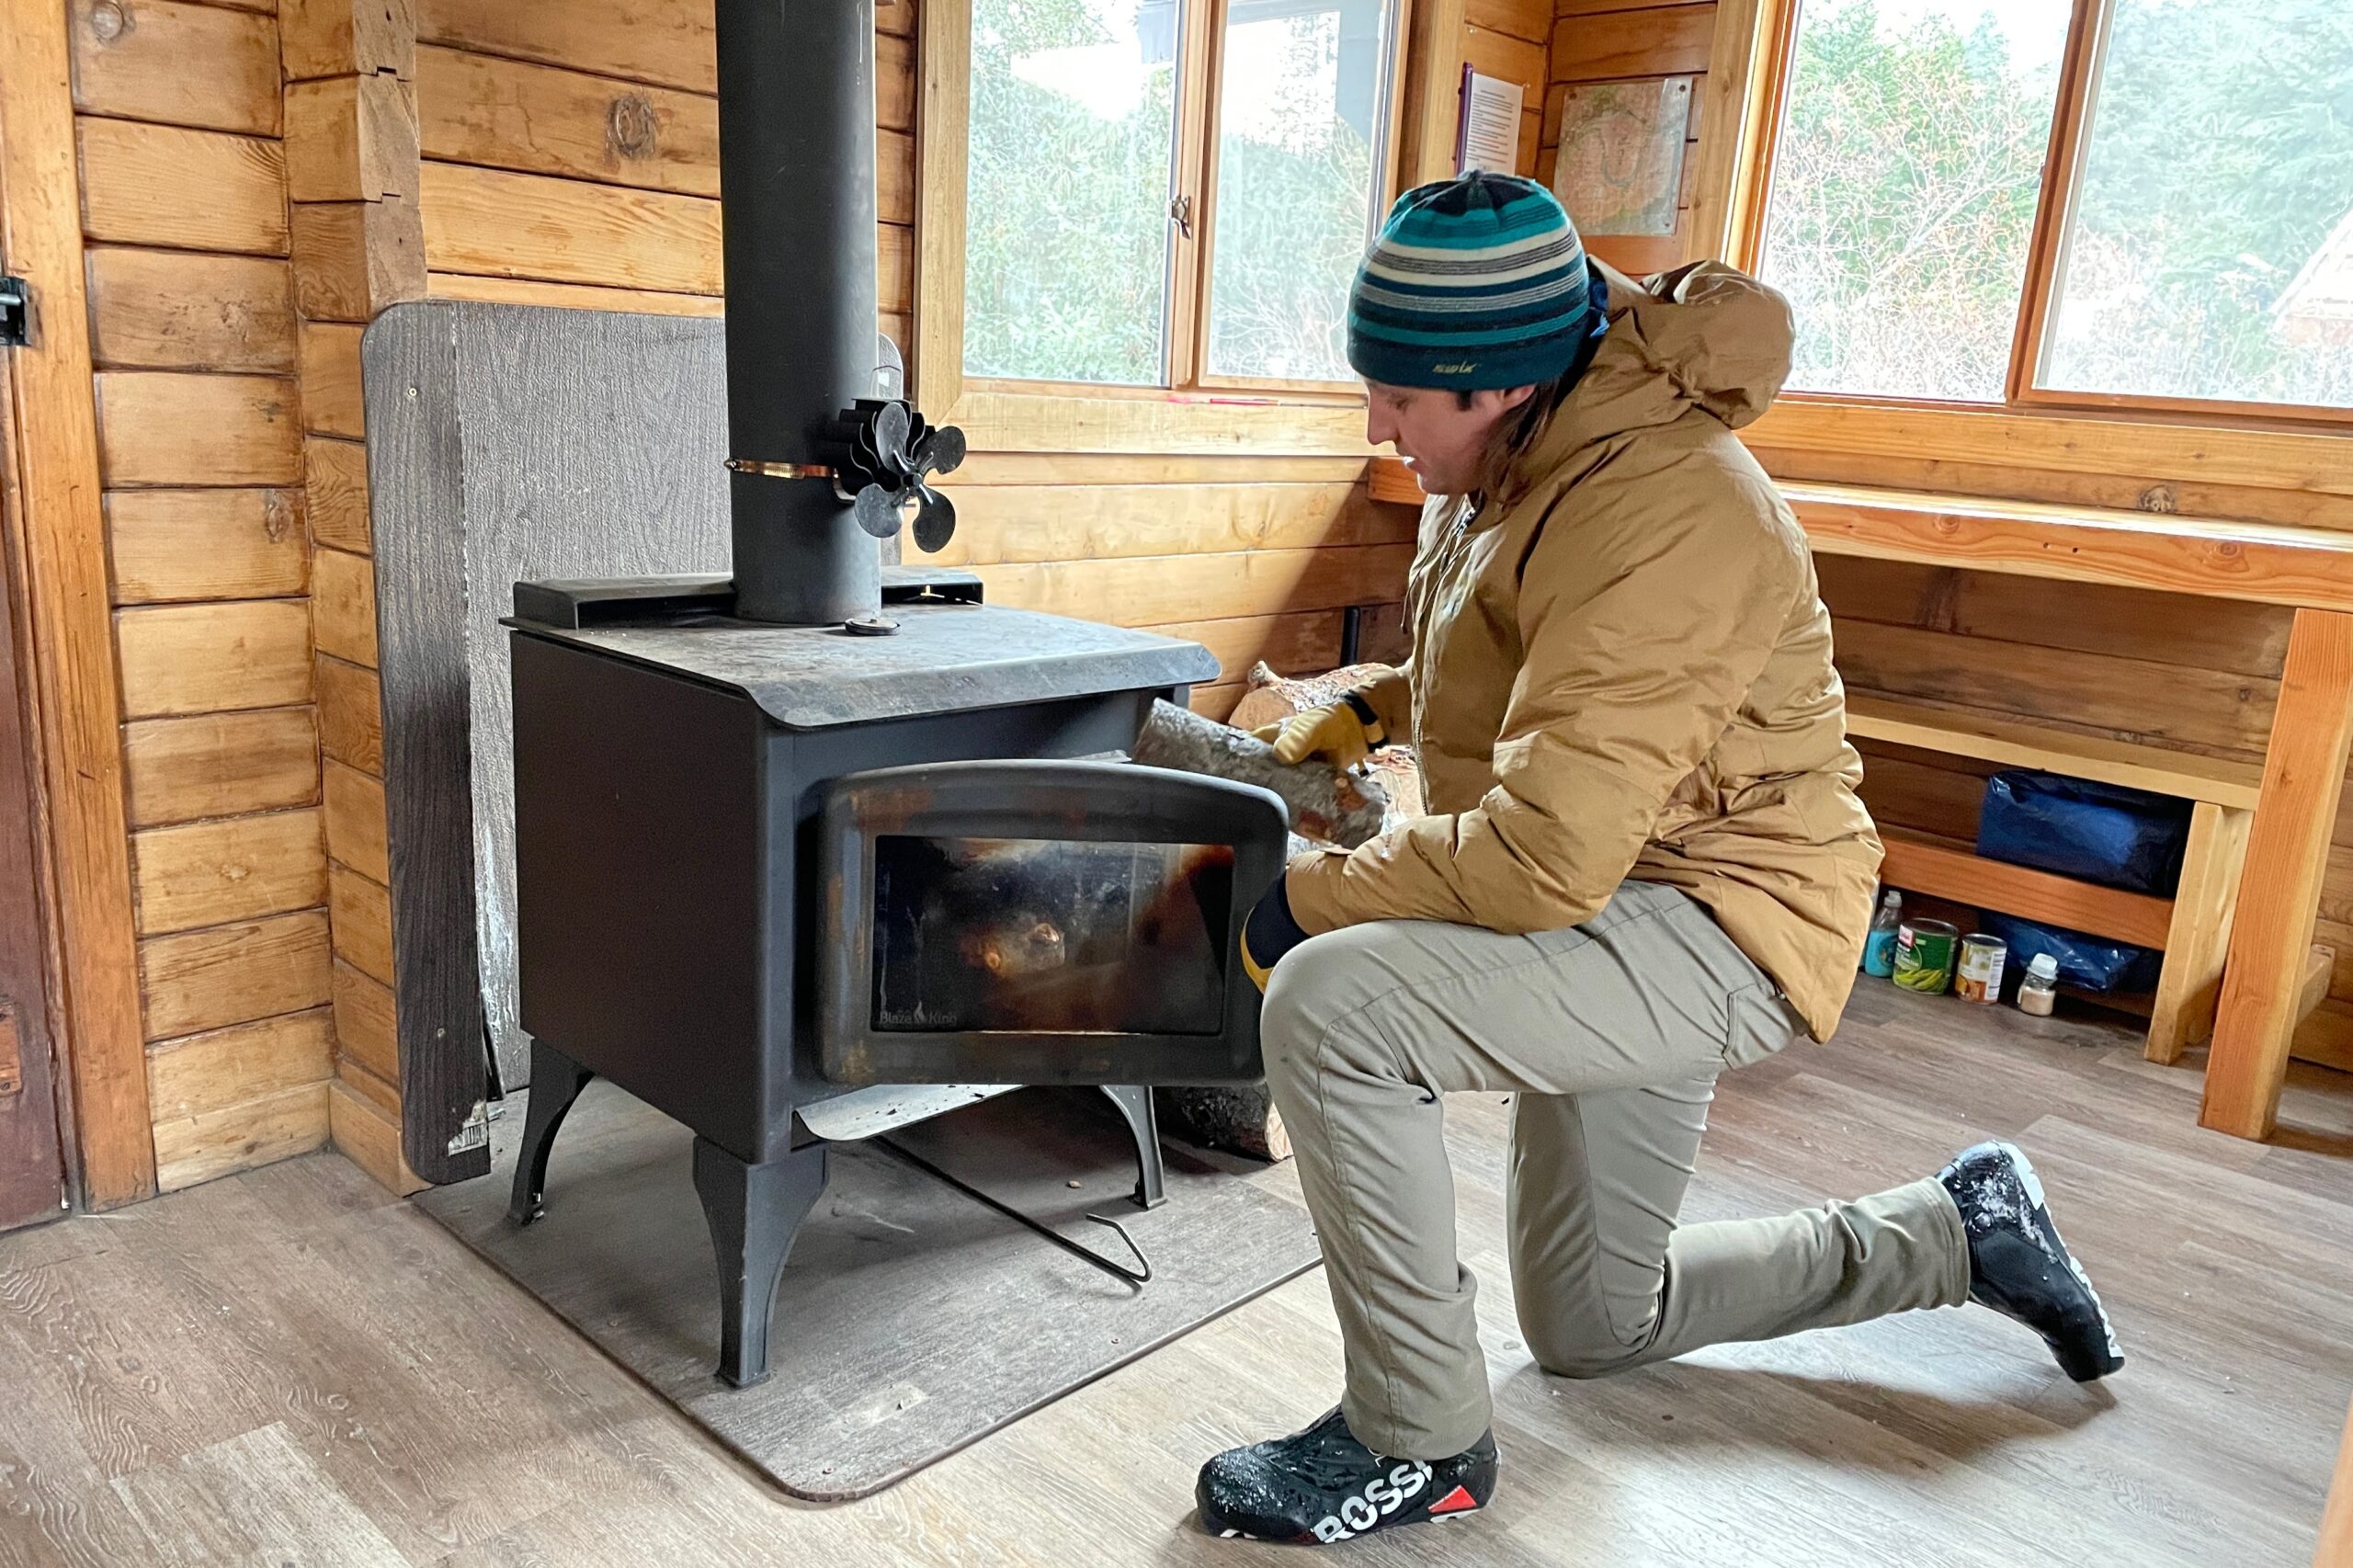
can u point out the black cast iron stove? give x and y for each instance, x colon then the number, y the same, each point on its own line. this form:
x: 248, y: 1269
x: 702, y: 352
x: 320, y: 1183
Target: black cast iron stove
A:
x: 823, y: 849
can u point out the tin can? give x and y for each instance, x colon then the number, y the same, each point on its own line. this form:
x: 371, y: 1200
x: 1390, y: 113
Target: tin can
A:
x: 1924, y: 955
x: 1981, y: 958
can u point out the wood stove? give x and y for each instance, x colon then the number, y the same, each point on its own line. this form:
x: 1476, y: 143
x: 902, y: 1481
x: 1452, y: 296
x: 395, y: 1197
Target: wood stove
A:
x: 793, y: 884
x: 825, y: 848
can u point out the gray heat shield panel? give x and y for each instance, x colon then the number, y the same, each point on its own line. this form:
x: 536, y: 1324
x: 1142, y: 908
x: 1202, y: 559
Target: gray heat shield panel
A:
x: 505, y: 442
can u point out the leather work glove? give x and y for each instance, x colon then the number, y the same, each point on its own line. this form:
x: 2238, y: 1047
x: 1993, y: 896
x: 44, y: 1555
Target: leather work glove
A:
x: 1344, y: 732
x: 1270, y: 932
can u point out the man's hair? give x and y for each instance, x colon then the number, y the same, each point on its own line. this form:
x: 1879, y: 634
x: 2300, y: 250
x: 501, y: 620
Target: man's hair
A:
x: 1520, y: 429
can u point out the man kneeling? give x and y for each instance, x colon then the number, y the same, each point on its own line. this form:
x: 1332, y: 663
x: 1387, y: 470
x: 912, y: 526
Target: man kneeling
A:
x: 1645, y: 864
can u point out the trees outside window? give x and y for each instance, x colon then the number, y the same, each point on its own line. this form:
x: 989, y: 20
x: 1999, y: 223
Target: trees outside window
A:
x: 2115, y: 202
x: 1172, y: 193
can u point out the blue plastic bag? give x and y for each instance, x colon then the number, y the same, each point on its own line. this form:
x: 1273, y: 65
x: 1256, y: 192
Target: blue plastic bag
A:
x: 2089, y: 963
x: 2098, y: 833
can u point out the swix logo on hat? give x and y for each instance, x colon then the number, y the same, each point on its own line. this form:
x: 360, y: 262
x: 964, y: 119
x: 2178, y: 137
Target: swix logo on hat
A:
x: 1381, y: 1496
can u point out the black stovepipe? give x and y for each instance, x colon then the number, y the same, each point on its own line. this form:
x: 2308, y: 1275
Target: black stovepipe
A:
x: 797, y: 203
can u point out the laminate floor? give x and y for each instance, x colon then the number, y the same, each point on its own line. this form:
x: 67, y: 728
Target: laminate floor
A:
x: 286, y: 1366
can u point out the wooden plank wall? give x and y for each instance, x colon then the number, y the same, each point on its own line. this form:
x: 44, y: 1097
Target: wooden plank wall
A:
x: 259, y: 179
x: 1255, y: 558
x: 570, y: 154
x: 565, y: 153
x: 197, y: 356
x: 1510, y: 40
x: 2200, y: 674
x: 1620, y: 40
x: 570, y: 157
x: 356, y: 219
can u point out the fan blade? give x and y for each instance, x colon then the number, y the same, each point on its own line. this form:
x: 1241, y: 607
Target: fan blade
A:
x: 891, y: 432
x: 935, y: 519
x: 876, y: 511
x: 947, y: 449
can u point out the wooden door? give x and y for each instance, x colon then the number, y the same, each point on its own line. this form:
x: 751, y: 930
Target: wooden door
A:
x: 32, y: 1178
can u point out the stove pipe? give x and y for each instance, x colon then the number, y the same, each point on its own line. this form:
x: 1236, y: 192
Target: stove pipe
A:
x: 797, y: 204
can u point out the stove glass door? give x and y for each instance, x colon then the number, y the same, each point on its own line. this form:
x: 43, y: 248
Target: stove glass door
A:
x: 1042, y: 923
x: 1045, y: 934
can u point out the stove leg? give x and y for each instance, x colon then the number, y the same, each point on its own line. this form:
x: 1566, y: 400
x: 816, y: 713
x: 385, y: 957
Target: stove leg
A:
x: 754, y: 1212
x: 1134, y: 1101
x: 556, y: 1082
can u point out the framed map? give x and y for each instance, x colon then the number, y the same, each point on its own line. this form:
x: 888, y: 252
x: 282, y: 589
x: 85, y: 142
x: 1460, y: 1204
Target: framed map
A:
x: 1620, y: 167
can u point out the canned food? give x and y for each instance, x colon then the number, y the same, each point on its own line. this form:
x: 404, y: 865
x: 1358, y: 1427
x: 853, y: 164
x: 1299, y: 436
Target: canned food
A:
x: 1924, y: 955
x: 1981, y: 958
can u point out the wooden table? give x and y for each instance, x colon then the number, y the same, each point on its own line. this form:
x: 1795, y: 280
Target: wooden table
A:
x: 2307, y: 569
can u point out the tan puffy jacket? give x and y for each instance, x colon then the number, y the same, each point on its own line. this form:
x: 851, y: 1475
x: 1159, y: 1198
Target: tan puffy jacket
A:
x: 1621, y: 668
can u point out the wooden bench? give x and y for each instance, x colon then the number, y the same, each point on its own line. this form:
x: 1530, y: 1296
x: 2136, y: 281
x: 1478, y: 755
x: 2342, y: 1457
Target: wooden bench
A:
x: 2192, y: 929
x: 2267, y: 979
x: 2268, y: 982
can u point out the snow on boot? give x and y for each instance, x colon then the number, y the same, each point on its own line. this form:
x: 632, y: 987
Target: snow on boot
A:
x: 1323, y: 1486
x: 2018, y: 1265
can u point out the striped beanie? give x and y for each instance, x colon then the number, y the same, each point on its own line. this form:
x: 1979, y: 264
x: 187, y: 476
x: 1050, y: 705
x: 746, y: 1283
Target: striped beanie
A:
x: 1476, y: 282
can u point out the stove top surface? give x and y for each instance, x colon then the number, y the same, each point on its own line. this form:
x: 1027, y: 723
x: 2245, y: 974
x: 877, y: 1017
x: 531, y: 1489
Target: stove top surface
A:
x: 946, y: 656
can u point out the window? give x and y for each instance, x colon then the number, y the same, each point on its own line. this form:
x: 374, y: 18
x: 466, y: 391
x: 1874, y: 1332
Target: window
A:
x: 2117, y: 203
x: 1904, y: 190
x: 2208, y: 251
x: 1066, y: 219
x: 1172, y: 193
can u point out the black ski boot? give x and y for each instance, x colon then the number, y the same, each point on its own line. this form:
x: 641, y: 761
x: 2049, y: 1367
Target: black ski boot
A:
x: 2018, y: 1265
x: 1323, y: 1486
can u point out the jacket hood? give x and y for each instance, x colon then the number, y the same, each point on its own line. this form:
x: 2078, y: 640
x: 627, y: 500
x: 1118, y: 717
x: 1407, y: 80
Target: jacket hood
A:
x: 1702, y: 336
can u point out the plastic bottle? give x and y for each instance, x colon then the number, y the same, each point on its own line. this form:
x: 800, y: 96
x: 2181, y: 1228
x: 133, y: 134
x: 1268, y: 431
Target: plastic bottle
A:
x: 1879, y: 948
x: 2038, y: 992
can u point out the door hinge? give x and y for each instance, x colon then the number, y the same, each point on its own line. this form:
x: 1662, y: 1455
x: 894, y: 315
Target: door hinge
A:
x: 16, y: 312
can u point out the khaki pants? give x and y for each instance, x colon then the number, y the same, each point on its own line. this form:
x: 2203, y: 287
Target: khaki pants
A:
x: 1611, y: 1036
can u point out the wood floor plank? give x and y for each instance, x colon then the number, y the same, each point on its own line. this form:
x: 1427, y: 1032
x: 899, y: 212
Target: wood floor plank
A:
x: 45, y: 1522
x: 254, y: 1498
x: 132, y: 1387
x: 283, y: 1366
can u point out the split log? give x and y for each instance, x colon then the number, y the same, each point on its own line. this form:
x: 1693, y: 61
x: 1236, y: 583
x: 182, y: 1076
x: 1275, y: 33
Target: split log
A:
x: 1326, y: 802
x: 1243, y: 1119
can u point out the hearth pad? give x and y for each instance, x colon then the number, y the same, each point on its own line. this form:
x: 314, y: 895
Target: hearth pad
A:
x: 911, y: 1319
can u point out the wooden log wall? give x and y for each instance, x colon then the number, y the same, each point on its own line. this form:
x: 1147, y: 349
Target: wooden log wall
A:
x: 2196, y: 674
x: 260, y: 179
x: 571, y: 154
x: 570, y: 157
x: 356, y: 219
x: 1510, y: 40
x: 1254, y: 558
x: 198, y: 354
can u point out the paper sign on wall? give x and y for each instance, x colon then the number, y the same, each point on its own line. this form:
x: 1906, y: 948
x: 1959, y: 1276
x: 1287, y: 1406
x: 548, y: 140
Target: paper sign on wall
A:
x: 1489, y: 137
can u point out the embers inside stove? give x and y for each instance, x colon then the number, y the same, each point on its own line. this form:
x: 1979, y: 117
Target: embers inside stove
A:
x: 1050, y: 935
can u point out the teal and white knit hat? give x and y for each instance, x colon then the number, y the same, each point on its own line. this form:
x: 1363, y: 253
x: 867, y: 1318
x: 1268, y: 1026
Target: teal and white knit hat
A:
x: 1473, y: 283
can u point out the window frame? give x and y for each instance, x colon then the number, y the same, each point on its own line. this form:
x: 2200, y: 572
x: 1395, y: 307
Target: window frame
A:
x: 1770, y: 60
x: 1189, y: 355
x: 1194, y: 413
